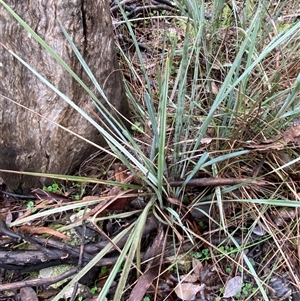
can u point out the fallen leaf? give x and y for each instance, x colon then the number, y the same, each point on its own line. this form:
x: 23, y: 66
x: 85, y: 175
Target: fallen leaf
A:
x: 28, y: 294
x: 259, y: 231
x: 197, y: 266
x: 191, y: 278
x: 233, y: 286
x: 206, y: 140
x: 188, y: 291
x: 120, y: 172
x: 292, y: 134
x: 212, y: 88
x: 43, y: 230
x: 147, y: 278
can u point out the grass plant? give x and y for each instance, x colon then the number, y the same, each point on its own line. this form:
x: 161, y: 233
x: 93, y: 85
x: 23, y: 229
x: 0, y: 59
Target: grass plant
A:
x: 217, y: 90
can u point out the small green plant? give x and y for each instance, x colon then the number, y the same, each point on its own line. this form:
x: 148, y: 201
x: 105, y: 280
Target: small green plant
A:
x: 30, y: 206
x: 228, y: 270
x: 231, y: 251
x: 203, y: 254
x: 248, y: 289
x: 103, y: 269
x: 137, y: 127
x: 238, y: 295
x: 201, y: 224
x: 146, y: 298
x: 94, y: 290
x: 226, y: 17
x: 79, y: 196
x: 171, y: 36
x: 52, y: 188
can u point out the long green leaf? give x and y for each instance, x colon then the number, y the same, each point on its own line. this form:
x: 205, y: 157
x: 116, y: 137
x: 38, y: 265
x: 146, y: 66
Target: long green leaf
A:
x: 133, y: 242
x: 91, y: 264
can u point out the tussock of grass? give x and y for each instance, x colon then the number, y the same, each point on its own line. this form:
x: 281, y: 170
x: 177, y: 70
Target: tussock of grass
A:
x: 206, y: 101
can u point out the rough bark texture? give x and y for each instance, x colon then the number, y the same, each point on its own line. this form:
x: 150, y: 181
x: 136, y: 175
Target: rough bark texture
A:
x: 28, y: 141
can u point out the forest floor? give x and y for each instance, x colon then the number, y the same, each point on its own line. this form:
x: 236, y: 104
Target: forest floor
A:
x: 234, y: 236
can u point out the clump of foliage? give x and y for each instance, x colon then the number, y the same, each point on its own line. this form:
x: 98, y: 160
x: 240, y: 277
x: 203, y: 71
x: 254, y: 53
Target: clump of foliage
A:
x: 219, y: 94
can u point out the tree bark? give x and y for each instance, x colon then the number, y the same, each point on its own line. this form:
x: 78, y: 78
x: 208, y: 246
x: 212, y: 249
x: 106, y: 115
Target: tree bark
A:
x: 28, y: 141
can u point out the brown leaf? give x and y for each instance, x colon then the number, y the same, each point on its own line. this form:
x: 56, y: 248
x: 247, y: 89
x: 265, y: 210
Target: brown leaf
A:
x: 292, y: 134
x: 147, y: 278
x: 143, y: 284
x: 197, y: 266
x: 120, y: 172
x: 28, y: 294
x: 120, y: 203
x: 233, y: 286
x: 212, y: 88
x: 45, y: 195
x: 174, y: 201
x: 191, y: 278
x: 188, y: 291
x: 44, y: 230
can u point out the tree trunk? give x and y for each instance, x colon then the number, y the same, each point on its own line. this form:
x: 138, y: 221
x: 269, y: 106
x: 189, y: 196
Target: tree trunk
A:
x: 29, y: 142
